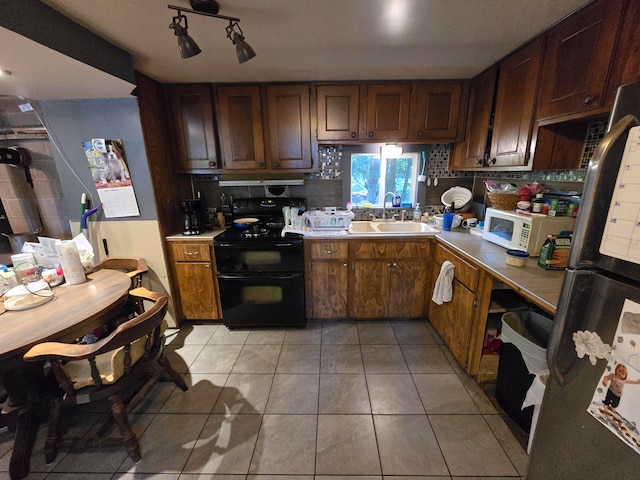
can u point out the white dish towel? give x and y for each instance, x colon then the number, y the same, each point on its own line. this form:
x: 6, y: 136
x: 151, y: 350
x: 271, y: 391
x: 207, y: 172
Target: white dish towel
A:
x: 443, y: 289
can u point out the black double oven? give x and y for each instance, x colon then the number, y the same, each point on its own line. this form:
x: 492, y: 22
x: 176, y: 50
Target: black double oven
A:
x: 260, y: 271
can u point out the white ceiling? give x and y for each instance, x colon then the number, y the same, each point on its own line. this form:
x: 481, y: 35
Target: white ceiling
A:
x: 295, y: 40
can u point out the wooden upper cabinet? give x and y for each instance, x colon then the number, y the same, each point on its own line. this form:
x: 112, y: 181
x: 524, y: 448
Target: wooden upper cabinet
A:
x: 289, y: 127
x: 388, y: 111
x: 514, y: 106
x: 577, y: 60
x: 191, y: 112
x: 435, y: 112
x: 470, y: 154
x: 240, y: 124
x: 338, y: 110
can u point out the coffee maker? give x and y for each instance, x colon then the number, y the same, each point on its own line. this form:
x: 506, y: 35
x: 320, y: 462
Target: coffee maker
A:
x: 192, y: 218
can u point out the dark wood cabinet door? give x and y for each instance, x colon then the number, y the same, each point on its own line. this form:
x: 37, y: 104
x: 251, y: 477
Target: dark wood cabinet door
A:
x: 197, y: 290
x: 370, y: 289
x: 388, y: 111
x: 240, y: 124
x: 338, y: 110
x: 329, y: 284
x: 289, y: 127
x: 470, y: 153
x: 576, y: 63
x: 408, y: 282
x: 435, y: 113
x: 193, y: 128
x: 514, y: 106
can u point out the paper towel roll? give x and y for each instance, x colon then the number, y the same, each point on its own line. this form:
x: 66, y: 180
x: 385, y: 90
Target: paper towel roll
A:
x: 70, y: 262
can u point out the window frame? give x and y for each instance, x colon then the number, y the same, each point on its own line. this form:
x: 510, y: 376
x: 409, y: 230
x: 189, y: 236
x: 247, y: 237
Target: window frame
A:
x: 413, y: 156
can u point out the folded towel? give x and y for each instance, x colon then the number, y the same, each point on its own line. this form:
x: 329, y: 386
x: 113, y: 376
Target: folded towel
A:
x: 443, y: 289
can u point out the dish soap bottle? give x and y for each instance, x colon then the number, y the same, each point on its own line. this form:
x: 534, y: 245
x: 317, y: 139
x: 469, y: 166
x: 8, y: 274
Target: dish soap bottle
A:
x: 417, y: 213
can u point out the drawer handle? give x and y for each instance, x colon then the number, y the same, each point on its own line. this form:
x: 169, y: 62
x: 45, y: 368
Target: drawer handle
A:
x: 191, y: 253
x: 329, y: 252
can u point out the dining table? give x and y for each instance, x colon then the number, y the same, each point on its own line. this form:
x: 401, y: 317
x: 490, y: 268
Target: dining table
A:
x: 72, y: 312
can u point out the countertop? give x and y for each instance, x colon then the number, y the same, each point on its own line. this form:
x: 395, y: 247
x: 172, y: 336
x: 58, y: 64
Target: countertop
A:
x: 208, y: 235
x: 540, y: 286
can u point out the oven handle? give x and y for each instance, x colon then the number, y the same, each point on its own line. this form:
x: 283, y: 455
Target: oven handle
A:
x: 254, y: 245
x: 270, y: 275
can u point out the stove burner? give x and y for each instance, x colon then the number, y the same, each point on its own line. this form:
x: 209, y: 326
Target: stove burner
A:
x: 255, y: 232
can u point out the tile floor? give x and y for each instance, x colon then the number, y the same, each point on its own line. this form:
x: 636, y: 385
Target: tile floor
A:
x: 334, y: 401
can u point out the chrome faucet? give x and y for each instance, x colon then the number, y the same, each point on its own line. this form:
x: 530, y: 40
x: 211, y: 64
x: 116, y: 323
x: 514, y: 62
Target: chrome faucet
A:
x: 384, y: 203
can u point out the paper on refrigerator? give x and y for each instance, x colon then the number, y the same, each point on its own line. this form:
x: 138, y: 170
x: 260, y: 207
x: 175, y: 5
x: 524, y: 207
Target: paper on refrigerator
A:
x: 616, y: 400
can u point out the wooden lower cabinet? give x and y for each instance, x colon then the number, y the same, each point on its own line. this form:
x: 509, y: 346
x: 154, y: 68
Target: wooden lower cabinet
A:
x: 326, y: 278
x: 194, y: 279
x: 453, y: 320
x: 461, y: 322
x: 367, y: 278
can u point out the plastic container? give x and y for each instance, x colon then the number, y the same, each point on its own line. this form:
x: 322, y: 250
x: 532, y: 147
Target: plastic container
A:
x: 524, y: 338
x: 417, y: 213
x: 516, y: 258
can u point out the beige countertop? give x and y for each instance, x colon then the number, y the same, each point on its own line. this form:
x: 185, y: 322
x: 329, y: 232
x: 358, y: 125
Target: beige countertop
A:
x: 208, y: 235
x: 538, y: 285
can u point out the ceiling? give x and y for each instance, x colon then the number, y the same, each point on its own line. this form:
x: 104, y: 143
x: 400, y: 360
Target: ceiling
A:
x: 295, y: 40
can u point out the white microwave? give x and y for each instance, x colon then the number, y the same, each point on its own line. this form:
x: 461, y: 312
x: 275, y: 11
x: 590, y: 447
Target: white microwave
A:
x: 519, y: 231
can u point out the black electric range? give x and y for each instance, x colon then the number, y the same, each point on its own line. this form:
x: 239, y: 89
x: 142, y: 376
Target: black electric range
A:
x: 260, y: 272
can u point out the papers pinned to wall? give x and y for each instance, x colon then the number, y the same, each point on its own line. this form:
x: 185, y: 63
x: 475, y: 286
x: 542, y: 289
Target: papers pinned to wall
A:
x: 111, y: 177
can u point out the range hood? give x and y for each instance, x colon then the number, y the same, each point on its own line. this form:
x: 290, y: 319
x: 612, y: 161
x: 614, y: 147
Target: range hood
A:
x: 241, y: 180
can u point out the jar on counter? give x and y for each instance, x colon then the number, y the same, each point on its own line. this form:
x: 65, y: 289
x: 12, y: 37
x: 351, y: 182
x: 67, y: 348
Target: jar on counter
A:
x: 537, y: 204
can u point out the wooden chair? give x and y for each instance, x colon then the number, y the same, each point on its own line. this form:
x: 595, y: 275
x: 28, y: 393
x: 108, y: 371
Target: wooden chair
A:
x: 109, y: 368
x: 134, y: 267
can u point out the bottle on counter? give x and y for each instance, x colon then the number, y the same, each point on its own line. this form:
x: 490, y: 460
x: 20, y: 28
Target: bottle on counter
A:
x: 537, y: 204
x: 417, y: 213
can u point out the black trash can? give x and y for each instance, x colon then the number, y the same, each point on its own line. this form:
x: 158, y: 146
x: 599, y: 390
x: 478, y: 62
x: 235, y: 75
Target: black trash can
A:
x: 523, y: 354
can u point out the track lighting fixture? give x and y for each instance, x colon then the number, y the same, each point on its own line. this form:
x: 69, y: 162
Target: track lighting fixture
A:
x: 189, y: 48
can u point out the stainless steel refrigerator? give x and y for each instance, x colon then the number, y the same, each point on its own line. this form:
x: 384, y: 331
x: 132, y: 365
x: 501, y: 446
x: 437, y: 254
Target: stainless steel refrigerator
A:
x: 587, y: 423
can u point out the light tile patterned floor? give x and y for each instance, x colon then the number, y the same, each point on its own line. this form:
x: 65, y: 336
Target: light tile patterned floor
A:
x: 334, y: 401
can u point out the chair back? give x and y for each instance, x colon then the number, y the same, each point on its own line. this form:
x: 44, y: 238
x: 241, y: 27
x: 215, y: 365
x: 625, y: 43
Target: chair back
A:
x: 134, y: 267
x: 143, y: 332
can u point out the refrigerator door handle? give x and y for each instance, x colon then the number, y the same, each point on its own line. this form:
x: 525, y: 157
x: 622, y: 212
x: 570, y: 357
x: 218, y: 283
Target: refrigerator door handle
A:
x: 554, y: 346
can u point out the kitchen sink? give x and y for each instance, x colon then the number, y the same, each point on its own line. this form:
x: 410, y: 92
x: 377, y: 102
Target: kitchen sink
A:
x: 391, y: 228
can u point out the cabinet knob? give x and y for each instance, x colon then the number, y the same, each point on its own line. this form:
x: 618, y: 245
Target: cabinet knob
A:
x: 421, y: 133
x: 479, y: 161
x: 370, y: 134
x: 345, y: 264
x: 353, y: 135
x: 213, y: 164
x: 588, y: 99
x: 208, y: 265
x: 275, y: 165
x: 260, y: 164
x: 492, y: 161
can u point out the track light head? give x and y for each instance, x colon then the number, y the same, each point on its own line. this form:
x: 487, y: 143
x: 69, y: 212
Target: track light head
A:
x: 243, y: 49
x: 187, y: 45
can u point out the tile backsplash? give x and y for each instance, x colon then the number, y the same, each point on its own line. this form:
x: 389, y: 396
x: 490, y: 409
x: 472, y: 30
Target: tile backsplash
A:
x: 325, y: 187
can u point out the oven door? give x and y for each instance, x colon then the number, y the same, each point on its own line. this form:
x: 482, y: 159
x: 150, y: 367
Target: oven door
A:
x: 256, y: 256
x: 262, y: 300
